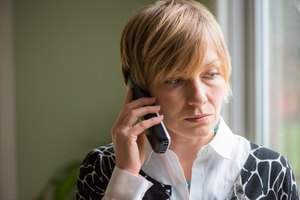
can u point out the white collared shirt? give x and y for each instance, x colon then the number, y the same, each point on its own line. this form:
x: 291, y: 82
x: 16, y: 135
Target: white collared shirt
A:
x: 214, y: 171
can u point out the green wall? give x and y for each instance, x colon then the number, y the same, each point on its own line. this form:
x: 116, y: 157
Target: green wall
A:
x: 68, y: 82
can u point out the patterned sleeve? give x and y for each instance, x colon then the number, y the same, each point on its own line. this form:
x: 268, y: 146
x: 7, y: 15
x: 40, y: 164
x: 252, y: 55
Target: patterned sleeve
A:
x: 289, y: 184
x: 95, y: 172
x: 268, y: 175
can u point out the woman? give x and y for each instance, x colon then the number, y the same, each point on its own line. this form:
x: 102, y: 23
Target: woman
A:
x: 175, y: 50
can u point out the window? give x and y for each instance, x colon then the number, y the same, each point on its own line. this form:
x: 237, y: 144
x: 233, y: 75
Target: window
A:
x: 263, y: 39
x: 284, y: 79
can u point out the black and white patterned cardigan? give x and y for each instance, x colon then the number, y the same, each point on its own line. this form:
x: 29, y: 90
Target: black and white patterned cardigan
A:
x: 265, y: 175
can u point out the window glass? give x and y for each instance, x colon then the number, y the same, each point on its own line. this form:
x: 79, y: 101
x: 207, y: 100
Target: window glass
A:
x: 284, y: 74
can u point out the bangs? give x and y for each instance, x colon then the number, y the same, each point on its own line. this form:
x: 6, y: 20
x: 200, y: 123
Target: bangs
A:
x: 180, y: 53
x: 186, y: 64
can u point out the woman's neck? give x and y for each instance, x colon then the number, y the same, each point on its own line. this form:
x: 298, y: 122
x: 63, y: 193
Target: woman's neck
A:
x: 184, y: 146
x: 187, y: 149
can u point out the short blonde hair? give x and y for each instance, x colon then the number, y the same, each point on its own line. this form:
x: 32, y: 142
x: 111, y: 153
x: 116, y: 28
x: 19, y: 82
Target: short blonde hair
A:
x: 170, y: 37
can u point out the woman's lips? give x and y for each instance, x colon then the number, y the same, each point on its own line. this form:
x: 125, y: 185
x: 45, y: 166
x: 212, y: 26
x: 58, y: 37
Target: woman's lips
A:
x: 198, y: 118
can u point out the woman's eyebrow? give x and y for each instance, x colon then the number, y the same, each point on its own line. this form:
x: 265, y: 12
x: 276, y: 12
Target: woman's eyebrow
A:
x: 215, y: 62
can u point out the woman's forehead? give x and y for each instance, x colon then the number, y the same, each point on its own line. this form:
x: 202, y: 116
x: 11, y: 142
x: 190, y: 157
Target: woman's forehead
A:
x: 210, y: 58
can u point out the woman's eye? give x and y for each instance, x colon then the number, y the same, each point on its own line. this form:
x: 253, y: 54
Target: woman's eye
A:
x: 174, y: 81
x: 211, y: 75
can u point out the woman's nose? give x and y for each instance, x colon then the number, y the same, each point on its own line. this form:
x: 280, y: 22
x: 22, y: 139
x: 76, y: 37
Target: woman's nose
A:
x: 197, y: 93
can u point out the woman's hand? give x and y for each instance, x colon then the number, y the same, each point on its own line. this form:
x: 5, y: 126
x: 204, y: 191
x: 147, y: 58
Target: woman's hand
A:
x: 128, y: 133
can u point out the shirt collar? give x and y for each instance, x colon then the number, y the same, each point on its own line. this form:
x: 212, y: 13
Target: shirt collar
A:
x: 222, y: 142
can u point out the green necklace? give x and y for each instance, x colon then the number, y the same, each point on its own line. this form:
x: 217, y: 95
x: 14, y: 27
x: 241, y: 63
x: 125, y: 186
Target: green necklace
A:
x: 216, y: 128
x: 188, y: 184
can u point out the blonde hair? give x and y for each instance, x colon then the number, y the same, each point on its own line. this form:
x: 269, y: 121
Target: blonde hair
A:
x: 167, y: 38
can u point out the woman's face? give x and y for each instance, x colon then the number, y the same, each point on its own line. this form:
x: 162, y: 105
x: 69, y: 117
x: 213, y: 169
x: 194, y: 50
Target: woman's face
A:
x: 191, y: 107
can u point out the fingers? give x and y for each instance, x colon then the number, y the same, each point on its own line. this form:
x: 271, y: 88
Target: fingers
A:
x: 145, y: 124
x: 132, y: 116
x: 127, y: 132
x: 132, y: 110
x: 128, y: 122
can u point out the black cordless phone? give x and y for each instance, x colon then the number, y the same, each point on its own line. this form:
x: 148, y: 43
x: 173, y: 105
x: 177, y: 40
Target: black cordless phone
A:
x: 157, y: 135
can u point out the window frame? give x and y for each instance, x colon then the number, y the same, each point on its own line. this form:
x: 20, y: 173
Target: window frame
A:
x: 246, y: 30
